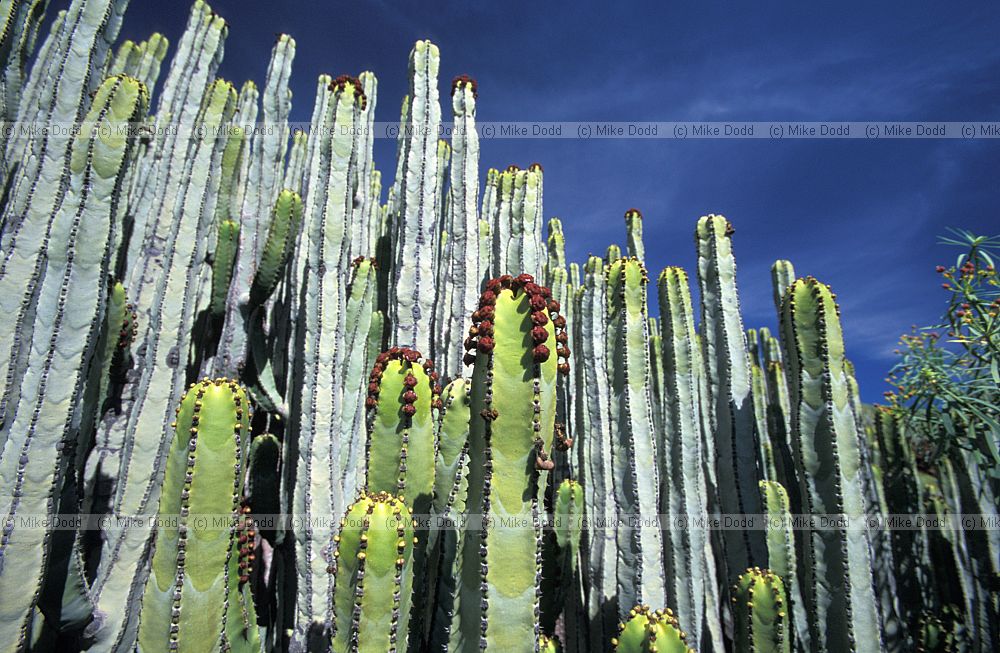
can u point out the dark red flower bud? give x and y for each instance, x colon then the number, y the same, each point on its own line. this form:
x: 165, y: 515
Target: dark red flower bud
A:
x: 939, y: 269
x: 563, y: 351
x: 539, y: 318
x: 410, y: 381
x: 409, y: 397
x: 564, y: 369
x: 486, y: 344
x: 409, y: 409
x: 560, y: 322
x: 486, y: 312
x: 494, y: 286
x: 540, y: 353
x: 537, y: 303
x: 553, y: 306
x: 371, y: 402
x: 523, y: 279
x: 486, y: 328
x: 539, y: 334
x: 488, y: 298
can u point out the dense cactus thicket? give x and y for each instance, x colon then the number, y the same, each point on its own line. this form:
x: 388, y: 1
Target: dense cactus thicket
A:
x: 543, y: 485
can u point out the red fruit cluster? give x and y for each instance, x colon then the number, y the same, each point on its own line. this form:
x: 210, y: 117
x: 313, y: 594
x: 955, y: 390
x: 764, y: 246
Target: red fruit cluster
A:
x: 361, y: 259
x: 409, y: 397
x: 245, y: 535
x: 465, y: 80
x: 341, y: 83
x: 130, y: 329
x: 542, y: 307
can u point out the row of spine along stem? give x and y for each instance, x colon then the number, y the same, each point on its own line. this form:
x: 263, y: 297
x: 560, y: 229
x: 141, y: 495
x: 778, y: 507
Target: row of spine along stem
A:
x: 634, y: 455
x: 332, y: 317
x: 731, y: 407
x: 835, y: 571
x: 761, y: 613
x: 261, y: 173
x: 561, y: 586
x: 460, y: 261
x: 690, y: 562
x: 416, y: 232
x: 197, y: 593
x: 512, y: 204
x: 373, y: 570
x: 451, y: 487
x: 401, y: 451
x: 53, y: 372
x: 514, y: 346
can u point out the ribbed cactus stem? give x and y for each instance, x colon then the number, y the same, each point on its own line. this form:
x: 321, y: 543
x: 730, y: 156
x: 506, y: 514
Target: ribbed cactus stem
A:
x: 451, y: 485
x: 49, y: 416
x: 634, y: 455
x: 761, y: 613
x: 19, y: 23
x: 633, y: 226
x: 729, y: 385
x: 58, y: 92
x: 167, y: 289
x: 373, y: 574
x: 556, y: 249
x: 593, y: 418
x: 296, y: 161
x: 561, y: 586
x: 284, y: 229
x: 464, y: 266
x: 226, y: 241
x: 781, y: 554
x: 782, y: 276
x: 413, y: 289
x: 401, y: 446
x: 683, y: 490
x: 648, y: 631
x: 836, y: 570
x: 197, y: 590
x: 513, y: 343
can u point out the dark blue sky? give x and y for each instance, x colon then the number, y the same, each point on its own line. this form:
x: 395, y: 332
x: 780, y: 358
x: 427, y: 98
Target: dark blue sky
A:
x: 862, y: 216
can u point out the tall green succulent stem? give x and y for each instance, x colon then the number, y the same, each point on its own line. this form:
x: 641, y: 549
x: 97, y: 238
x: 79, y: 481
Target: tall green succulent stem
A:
x: 514, y: 344
x: 197, y: 593
x: 836, y: 572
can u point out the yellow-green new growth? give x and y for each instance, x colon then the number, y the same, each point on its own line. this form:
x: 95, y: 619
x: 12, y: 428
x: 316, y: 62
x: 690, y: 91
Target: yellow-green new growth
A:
x: 197, y: 593
x: 761, y: 613
x: 373, y: 575
x: 649, y: 631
